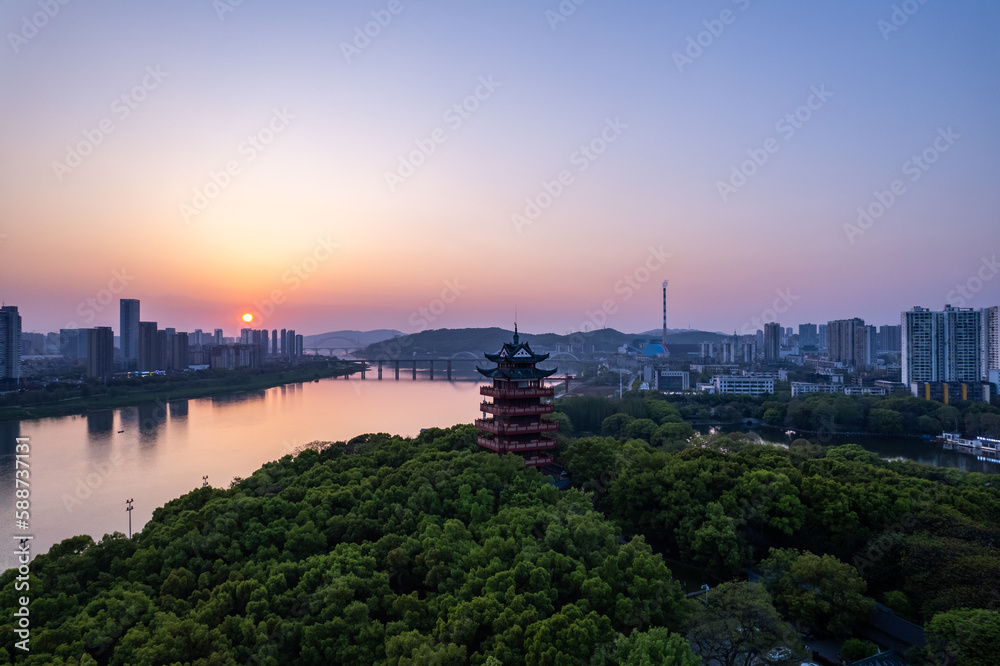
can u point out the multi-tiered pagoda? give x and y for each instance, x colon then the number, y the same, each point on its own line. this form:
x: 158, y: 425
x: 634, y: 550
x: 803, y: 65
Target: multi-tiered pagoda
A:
x: 516, y: 424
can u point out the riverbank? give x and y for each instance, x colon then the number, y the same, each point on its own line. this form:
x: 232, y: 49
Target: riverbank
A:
x: 798, y: 432
x: 198, y: 388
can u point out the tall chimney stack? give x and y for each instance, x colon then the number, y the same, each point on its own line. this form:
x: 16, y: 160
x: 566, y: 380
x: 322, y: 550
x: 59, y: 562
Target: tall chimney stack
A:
x: 665, y: 316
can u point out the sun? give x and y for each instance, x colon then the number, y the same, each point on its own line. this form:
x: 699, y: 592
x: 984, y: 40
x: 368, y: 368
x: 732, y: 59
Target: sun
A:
x: 248, y: 317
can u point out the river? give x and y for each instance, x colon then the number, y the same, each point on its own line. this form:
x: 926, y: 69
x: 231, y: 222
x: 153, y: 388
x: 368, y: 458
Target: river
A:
x: 889, y: 448
x: 83, y: 468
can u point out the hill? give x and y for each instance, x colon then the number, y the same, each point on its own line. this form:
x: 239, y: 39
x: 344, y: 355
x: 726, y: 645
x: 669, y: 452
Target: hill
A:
x: 684, y: 336
x: 449, y: 341
x: 349, y: 339
x: 378, y: 551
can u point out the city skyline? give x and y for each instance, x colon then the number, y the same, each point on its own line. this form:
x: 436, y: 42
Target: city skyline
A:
x: 456, y: 163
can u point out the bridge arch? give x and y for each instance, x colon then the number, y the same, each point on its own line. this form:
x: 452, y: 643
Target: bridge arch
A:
x: 552, y: 357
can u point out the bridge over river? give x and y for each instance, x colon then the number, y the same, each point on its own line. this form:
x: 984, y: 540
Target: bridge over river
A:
x: 443, y: 366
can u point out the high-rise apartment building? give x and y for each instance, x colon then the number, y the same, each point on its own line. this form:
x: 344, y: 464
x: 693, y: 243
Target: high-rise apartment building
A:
x: 162, y: 354
x: 10, y: 345
x: 808, y: 335
x: 218, y: 336
x: 32, y: 343
x: 148, y: 355
x: 100, y: 352
x: 129, y: 332
x: 73, y: 343
x: 991, y: 328
x: 890, y: 338
x: 851, y: 342
x: 943, y: 346
x: 821, y: 332
x: 179, y: 351
x: 274, y: 342
x: 772, y: 342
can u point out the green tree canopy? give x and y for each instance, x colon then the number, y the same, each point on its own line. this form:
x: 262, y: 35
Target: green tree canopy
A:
x: 819, y: 591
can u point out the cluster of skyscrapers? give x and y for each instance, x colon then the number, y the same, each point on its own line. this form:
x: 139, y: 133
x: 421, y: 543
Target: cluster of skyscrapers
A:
x: 849, y: 342
x: 146, y: 348
x: 953, y: 353
x: 143, y: 347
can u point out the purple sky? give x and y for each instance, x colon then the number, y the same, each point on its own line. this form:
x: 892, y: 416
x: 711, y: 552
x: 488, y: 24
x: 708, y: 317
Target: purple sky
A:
x: 463, y: 159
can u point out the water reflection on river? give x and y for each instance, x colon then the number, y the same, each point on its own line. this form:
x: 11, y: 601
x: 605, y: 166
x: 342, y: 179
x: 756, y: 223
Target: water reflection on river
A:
x: 924, y: 452
x: 84, y: 467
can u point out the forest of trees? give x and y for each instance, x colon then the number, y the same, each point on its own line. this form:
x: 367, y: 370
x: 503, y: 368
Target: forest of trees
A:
x: 383, y: 550
x: 386, y: 550
x: 817, y: 412
x: 922, y: 540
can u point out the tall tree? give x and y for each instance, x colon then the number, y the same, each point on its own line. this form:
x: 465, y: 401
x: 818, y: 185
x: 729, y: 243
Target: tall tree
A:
x: 740, y: 626
x: 968, y: 636
x: 822, y: 592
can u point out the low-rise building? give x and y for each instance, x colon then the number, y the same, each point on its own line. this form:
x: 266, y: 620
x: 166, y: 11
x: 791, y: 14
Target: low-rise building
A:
x: 715, y: 369
x: 947, y: 391
x: 804, y: 388
x: 864, y: 390
x: 752, y: 386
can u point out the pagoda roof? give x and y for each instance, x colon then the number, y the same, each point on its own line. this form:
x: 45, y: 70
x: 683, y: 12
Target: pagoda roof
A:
x: 516, y: 352
x: 514, y: 373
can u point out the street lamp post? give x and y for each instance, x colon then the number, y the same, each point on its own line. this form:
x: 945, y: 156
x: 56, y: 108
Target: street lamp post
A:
x: 128, y: 508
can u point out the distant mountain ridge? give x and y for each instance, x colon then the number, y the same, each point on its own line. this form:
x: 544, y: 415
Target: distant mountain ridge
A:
x: 450, y: 341
x: 684, y: 336
x: 349, y: 339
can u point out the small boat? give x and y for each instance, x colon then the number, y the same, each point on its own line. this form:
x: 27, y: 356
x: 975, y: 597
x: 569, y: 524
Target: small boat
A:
x: 120, y: 431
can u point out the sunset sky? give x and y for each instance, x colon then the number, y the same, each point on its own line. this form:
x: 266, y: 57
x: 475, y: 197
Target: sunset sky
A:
x: 215, y: 158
